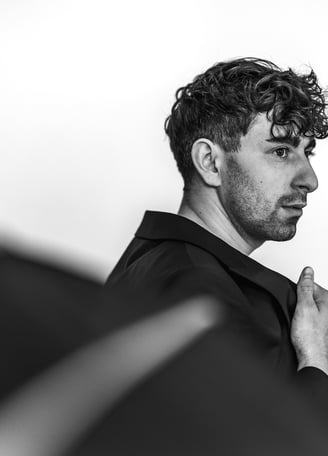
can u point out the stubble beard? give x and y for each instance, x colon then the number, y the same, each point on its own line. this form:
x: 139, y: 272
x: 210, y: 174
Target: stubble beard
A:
x: 254, y: 217
x: 260, y: 225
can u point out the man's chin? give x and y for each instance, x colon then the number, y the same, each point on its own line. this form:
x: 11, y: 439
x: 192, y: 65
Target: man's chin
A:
x: 273, y: 230
x: 284, y: 233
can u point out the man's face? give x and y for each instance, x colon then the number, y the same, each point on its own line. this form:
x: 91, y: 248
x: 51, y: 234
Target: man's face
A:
x: 265, y: 184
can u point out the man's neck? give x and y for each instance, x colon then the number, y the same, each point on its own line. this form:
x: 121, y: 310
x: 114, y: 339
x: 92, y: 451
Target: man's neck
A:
x: 214, y: 218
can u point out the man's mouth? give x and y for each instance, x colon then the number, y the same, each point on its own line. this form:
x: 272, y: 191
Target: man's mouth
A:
x: 295, y: 209
x: 296, y: 206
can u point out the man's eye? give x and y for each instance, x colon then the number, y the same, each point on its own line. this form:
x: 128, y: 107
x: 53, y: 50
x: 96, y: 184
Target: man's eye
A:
x: 282, y: 152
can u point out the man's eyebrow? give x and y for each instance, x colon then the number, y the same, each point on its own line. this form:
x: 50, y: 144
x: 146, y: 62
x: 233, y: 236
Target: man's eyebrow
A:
x: 293, y: 141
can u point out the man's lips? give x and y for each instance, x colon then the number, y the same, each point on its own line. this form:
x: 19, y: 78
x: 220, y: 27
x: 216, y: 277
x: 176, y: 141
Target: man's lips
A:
x: 295, y: 209
x: 296, y: 206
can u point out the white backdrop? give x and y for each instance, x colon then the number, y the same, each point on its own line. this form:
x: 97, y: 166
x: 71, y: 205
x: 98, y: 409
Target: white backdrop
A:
x: 85, y: 87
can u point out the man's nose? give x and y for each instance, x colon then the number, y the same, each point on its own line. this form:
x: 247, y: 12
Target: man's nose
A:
x: 306, y: 179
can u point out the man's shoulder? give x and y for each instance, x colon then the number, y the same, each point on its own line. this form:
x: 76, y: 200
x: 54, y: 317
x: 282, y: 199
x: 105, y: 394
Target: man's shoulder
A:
x: 144, y: 259
x: 178, y: 254
x: 172, y: 270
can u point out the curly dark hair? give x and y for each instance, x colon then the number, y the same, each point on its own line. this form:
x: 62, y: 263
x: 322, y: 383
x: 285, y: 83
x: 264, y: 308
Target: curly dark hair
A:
x: 221, y: 103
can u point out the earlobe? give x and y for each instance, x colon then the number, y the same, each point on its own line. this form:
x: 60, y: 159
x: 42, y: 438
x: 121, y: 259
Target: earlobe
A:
x: 206, y: 159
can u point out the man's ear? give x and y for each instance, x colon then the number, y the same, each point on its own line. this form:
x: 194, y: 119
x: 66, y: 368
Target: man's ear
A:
x: 207, y: 159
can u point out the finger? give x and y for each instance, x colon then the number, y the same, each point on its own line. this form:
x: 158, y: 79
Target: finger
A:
x: 305, y: 285
x: 319, y: 291
x: 320, y: 296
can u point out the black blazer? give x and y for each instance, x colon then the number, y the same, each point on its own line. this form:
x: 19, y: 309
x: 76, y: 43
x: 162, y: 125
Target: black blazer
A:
x: 174, y: 258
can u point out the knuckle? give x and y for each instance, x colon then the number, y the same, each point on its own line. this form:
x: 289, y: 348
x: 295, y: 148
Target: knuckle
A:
x: 306, y: 287
x: 307, y: 276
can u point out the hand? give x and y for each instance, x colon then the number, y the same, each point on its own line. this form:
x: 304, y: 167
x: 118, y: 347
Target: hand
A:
x: 309, y: 329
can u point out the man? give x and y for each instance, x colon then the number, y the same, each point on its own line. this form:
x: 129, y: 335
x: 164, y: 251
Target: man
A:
x: 242, y: 134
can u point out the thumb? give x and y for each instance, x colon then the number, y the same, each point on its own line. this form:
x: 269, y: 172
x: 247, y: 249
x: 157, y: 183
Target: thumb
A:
x: 305, y: 284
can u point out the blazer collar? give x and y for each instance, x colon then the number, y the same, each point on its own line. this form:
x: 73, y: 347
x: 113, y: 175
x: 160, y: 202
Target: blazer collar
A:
x: 166, y: 226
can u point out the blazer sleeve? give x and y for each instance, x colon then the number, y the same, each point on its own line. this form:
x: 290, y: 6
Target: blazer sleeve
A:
x: 313, y: 383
